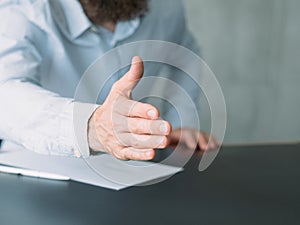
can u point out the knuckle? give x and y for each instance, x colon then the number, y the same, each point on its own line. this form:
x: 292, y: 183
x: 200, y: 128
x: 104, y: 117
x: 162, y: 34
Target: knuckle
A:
x: 118, y: 155
x: 134, y: 142
x: 137, y: 108
x: 133, y: 107
x: 140, y: 126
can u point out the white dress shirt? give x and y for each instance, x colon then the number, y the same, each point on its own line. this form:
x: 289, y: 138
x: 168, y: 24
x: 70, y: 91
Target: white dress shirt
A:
x: 45, y: 47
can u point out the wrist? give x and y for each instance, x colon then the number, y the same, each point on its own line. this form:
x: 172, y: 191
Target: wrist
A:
x: 93, y: 137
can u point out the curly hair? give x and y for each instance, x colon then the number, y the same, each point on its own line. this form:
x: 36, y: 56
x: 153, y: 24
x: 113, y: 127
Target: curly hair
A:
x: 99, y: 11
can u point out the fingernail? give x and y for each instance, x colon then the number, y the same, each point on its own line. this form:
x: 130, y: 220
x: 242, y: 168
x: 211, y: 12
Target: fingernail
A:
x: 151, y: 113
x: 135, y: 59
x: 163, y: 128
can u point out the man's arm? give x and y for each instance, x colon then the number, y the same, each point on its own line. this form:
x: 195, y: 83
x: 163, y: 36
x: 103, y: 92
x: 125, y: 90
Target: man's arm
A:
x: 38, y: 119
x: 42, y: 121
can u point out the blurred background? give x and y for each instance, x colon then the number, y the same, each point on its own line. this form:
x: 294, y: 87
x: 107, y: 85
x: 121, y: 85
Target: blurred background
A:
x: 253, y: 47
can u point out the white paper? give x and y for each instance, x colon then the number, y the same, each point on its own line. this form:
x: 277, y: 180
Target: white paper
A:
x: 101, y: 170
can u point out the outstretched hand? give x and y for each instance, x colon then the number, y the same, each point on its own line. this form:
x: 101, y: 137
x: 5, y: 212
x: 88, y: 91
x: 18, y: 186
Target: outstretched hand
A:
x: 125, y: 128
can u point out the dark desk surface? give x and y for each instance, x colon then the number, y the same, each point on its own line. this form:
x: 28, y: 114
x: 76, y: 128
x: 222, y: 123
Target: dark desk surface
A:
x: 244, y: 185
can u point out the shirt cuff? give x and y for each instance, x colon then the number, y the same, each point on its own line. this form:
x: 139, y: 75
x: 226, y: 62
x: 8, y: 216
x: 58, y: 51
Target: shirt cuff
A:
x: 81, y: 115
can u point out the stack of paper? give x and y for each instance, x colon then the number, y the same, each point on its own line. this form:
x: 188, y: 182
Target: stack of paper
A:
x: 101, y: 170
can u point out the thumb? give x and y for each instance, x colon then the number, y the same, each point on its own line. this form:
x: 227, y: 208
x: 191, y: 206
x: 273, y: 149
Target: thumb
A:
x: 128, y: 82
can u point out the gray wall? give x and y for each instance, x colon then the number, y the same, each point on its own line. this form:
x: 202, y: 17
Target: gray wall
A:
x: 253, y: 47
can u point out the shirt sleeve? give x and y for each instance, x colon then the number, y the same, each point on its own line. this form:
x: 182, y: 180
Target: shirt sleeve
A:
x: 31, y: 116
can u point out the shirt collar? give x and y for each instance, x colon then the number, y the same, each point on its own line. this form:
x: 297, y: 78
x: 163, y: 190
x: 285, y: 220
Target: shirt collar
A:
x: 70, y: 17
x: 123, y: 30
x: 73, y: 22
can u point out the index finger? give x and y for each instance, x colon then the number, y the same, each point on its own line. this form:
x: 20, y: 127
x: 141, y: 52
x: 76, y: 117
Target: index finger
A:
x: 131, y: 108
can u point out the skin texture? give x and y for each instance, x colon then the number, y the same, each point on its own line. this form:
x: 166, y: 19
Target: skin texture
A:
x: 130, y: 130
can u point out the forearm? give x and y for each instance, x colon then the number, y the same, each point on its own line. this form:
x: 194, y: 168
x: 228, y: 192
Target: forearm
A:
x: 42, y: 121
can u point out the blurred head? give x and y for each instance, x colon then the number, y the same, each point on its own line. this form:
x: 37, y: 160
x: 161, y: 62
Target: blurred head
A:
x: 100, y: 11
